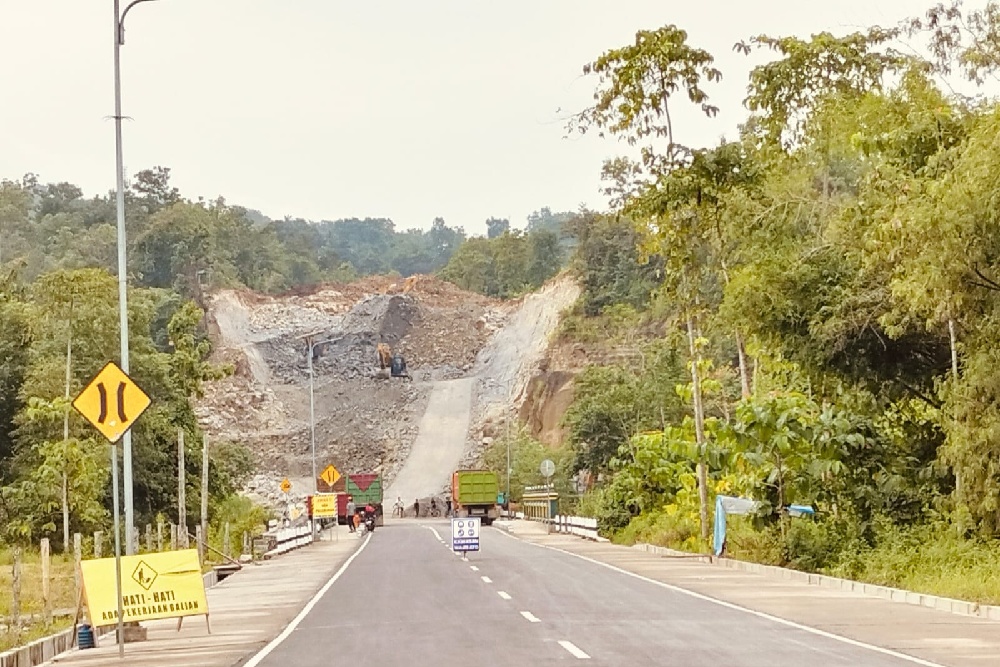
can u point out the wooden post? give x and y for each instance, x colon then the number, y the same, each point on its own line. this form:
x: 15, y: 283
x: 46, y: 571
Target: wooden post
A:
x: 15, y: 603
x: 98, y: 539
x: 226, y: 551
x: 200, y: 539
x: 173, y: 537
x: 182, y: 538
x: 46, y: 555
x: 247, y: 546
x: 77, y: 558
x: 204, y: 490
x: 149, y: 537
x: 159, y: 536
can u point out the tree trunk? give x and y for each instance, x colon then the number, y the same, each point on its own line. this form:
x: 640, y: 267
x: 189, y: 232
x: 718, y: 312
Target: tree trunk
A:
x: 182, y: 534
x: 699, y: 429
x: 953, y: 340
x: 744, y: 374
x: 65, y: 475
x: 781, y: 497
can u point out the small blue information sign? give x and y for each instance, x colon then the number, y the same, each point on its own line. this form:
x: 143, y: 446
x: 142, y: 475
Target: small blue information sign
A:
x: 465, y: 534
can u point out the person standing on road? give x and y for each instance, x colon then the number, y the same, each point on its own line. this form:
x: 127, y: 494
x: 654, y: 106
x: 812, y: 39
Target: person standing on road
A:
x: 351, y: 508
x: 447, y: 503
x: 416, y: 508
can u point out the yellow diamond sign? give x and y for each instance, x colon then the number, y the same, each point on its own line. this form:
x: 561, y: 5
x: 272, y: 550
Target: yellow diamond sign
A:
x: 330, y: 475
x: 111, y: 402
x: 286, y: 486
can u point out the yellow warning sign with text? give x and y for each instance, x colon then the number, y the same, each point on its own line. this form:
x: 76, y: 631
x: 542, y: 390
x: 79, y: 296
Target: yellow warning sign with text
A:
x: 161, y: 585
x: 324, y: 506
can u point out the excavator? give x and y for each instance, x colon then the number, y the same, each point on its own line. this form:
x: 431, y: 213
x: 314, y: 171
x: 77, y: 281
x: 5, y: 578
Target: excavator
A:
x: 394, y: 362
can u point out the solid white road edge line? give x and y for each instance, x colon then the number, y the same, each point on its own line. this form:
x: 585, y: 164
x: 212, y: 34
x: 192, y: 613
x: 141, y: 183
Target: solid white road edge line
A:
x: 436, y: 534
x: 531, y: 617
x: 486, y: 580
x: 574, y: 650
x: 505, y: 596
x: 729, y: 605
x: 290, y: 628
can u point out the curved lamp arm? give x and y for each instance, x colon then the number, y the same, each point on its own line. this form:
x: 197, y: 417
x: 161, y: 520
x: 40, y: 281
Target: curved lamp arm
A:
x: 121, y: 20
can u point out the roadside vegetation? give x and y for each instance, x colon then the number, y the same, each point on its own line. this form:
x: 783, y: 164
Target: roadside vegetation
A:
x: 805, y: 314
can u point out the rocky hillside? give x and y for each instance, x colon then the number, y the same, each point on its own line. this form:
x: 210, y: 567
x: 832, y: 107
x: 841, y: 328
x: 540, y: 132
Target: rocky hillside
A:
x: 365, y: 422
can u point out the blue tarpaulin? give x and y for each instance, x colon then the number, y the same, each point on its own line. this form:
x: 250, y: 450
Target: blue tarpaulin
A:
x: 731, y: 505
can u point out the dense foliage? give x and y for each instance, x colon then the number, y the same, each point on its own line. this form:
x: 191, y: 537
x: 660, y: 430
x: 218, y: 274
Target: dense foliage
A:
x: 829, y: 279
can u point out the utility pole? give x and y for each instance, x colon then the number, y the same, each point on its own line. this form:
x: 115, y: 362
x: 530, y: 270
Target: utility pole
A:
x: 204, y: 489
x: 182, y: 533
x: 312, y: 417
x: 65, y: 472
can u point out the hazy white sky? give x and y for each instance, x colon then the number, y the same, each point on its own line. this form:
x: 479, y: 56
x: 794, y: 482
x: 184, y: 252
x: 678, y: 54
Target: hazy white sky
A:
x: 407, y: 109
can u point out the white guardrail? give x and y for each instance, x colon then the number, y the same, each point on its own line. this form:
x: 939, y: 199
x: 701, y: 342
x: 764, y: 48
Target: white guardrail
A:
x: 287, y: 539
x: 580, y: 526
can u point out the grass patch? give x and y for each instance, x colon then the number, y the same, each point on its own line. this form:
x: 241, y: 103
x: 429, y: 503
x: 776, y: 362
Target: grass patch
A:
x: 62, y: 590
x: 929, y: 559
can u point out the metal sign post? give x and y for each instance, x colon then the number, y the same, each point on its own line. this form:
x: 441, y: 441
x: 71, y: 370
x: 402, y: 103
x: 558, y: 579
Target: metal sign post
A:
x: 118, y: 551
x: 112, y: 402
x: 548, y: 468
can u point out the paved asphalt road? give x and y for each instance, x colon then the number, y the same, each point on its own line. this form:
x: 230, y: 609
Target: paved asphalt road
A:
x: 407, y: 601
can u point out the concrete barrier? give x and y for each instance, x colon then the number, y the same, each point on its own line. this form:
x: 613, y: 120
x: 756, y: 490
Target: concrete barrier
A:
x: 963, y: 607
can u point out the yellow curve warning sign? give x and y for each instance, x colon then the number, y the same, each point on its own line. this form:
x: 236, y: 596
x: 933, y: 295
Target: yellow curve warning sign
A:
x: 162, y: 585
x: 112, y: 402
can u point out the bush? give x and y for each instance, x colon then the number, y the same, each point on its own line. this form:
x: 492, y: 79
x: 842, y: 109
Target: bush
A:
x: 670, y: 527
x: 605, y: 505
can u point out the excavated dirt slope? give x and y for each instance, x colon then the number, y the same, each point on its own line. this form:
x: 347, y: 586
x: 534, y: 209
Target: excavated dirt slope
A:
x: 364, y: 423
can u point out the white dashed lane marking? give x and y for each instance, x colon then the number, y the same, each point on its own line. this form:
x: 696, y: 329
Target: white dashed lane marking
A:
x: 532, y: 618
x: 505, y: 596
x: 574, y: 650
x: 487, y: 580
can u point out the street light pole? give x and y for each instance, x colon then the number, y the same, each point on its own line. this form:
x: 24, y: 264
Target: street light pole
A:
x: 122, y: 276
x: 130, y: 541
x: 507, y: 497
x: 311, y: 344
x: 312, y: 417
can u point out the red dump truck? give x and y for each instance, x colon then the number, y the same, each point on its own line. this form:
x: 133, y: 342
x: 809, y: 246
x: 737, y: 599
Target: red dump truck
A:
x: 474, y: 493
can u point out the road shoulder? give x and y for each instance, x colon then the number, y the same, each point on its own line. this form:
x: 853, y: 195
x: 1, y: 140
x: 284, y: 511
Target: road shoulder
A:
x: 247, y: 611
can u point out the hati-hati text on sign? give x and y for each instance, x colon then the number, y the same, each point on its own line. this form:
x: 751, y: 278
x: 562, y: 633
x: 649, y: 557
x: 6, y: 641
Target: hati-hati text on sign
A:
x: 161, y: 585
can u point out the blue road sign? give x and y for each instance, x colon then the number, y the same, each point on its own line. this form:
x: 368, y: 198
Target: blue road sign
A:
x: 465, y: 534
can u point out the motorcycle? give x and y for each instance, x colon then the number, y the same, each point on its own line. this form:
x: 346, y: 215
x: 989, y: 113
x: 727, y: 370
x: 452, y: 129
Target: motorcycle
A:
x: 370, y: 523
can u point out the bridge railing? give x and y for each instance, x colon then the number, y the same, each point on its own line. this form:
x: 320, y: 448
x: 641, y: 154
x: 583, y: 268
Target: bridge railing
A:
x: 283, y: 540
